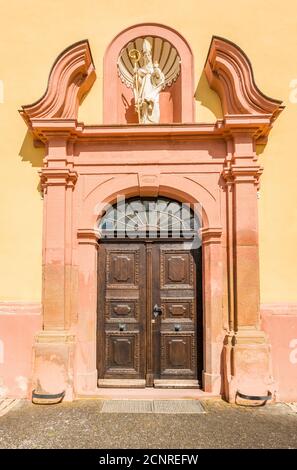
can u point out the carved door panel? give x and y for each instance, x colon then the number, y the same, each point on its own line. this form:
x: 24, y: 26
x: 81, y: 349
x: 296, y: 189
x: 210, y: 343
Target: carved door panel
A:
x: 121, y: 311
x: 175, y: 329
x: 134, y: 341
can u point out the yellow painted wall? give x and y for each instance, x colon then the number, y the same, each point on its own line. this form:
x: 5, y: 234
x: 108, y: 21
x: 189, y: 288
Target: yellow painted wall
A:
x: 33, y: 33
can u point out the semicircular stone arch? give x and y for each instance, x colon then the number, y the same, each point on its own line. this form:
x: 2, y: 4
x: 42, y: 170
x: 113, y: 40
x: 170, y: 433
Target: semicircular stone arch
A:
x: 174, y: 187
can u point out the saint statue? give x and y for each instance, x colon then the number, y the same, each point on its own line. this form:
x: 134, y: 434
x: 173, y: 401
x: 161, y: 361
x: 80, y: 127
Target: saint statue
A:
x: 148, y: 81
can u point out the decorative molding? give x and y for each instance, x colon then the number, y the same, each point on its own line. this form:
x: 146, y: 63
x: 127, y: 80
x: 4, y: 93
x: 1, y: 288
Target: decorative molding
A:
x: 55, y: 336
x: 20, y: 308
x: 229, y: 73
x: 242, y: 174
x: 57, y: 177
x: 164, y: 270
x: 71, y: 77
x: 118, y: 371
x: 279, y: 308
x: 108, y: 269
x: 211, y: 235
x: 165, y: 352
x: 148, y: 183
x: 47, y: 128
x: 87, y: 236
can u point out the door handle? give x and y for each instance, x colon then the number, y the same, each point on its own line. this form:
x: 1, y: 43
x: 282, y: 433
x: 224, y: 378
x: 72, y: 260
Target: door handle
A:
x: 157, y: 311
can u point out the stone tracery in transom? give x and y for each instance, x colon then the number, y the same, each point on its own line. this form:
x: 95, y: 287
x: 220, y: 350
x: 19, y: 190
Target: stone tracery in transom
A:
x: 140, y: 216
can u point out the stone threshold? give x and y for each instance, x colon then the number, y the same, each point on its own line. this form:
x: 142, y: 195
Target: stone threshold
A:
x: 147, y: 394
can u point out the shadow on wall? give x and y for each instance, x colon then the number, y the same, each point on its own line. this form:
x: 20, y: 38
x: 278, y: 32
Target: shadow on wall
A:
x: 207, y: 97
x: 130, y: 113
x: 30, y: 152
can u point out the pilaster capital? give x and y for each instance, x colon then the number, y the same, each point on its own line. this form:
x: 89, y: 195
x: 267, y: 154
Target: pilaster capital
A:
x: 211, y: 235
x: 246, y: 174
x: 234, y: 174
x: 227, y: 175
x: 87, y: 236
x: 58, y: 177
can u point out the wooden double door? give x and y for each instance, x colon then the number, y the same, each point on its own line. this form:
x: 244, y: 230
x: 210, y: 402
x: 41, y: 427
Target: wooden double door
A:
x: 149, y: 314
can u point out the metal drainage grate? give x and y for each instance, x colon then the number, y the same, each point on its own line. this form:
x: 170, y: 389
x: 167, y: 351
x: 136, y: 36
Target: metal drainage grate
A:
x: 153, y: 406
x: 126, y: 406
x: 177, y: 406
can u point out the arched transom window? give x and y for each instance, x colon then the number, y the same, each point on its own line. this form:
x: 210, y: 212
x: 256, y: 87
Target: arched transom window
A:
x: 147, y: 217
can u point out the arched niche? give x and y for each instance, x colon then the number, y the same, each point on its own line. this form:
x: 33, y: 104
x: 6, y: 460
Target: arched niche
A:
x: 177, y: 98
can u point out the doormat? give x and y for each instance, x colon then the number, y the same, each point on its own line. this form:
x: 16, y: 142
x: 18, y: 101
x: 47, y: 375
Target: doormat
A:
x: 178, y: 406
x: 153, y: 406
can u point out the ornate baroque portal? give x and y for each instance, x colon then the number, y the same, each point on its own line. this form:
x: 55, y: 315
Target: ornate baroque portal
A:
x: 149, y: 147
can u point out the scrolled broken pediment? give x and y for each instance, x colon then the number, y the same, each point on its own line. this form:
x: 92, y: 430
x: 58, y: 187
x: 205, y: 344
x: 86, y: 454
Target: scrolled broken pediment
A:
x: 71, y: 77
x: 229, y: 73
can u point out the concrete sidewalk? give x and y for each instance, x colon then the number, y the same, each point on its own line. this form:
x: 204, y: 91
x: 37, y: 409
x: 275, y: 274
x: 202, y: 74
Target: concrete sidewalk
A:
x: 81, y: 424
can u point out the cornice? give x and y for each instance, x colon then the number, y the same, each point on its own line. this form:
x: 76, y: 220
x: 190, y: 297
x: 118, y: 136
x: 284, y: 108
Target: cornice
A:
x: 69, y: 129
x: 45, y: 129
x: 242, y: 174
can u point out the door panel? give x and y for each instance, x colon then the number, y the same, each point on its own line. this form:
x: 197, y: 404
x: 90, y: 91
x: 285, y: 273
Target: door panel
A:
x: 133, y: 343
x: 176, y: 268
x: 122, y: 352
x: 179, y: 309
x: 122, y: 294
x: 178, y: 354
x: 176, y: 294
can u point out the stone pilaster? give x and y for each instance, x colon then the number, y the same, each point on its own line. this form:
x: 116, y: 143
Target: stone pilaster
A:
x: 54, y: 345
x: 246, y: 350
x: 212, y: 307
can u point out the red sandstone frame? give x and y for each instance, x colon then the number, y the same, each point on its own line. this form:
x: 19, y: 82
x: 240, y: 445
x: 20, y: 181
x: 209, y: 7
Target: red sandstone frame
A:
x: 212, y: 164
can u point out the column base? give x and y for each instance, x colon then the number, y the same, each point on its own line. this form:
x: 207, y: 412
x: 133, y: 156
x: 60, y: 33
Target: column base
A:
x: 211, y: 383
x: 247, y: 364
x: 53, y: 363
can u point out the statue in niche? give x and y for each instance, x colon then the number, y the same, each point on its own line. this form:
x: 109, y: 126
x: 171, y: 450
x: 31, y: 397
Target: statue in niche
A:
x: 148, y: 81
